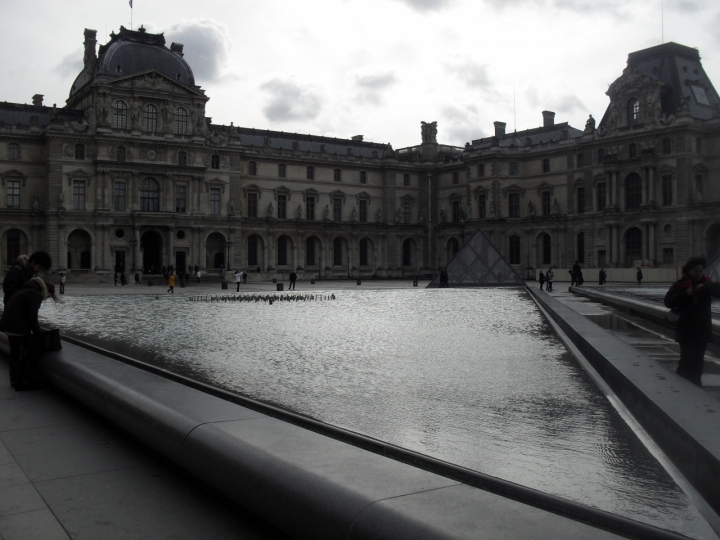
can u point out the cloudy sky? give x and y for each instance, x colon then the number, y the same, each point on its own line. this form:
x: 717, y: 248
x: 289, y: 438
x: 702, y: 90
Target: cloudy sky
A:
x: 372, y: 67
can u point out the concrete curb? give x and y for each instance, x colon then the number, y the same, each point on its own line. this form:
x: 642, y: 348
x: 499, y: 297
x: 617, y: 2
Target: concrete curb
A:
x: 311, y: 485
x: 682, y: 419
x: 654, y: 310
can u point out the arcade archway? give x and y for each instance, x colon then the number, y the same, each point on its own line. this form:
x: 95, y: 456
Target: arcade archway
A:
x: 151, y: 244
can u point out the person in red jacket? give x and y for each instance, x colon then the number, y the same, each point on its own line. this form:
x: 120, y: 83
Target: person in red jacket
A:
x: 20, y: 323
x: 690, y: 298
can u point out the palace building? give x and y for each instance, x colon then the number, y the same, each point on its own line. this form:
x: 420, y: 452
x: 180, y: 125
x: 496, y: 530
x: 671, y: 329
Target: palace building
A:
x: 131, y: 175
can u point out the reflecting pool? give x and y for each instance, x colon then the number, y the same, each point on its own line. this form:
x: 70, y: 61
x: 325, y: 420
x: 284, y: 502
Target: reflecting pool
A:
x: 656, y: 293
x: 474, y: 377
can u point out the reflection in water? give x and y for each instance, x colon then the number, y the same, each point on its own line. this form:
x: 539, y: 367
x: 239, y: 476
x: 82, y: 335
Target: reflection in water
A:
x: 656, y: 293
x: 474, y: 377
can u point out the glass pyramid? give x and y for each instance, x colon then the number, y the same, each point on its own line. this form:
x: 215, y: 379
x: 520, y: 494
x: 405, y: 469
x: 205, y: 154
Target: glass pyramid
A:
x: 478, y: 264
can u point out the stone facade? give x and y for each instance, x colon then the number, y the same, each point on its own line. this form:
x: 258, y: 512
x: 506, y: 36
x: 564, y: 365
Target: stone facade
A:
x: 131, y: 175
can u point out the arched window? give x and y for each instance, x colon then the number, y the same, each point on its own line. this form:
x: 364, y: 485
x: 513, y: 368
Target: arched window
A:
x: 633, y: 111
x: 252, y: 251
x: 546, y: 249
x: 282, y: 251
x: 310, y: 173
x: 150, y: 119
x: 215, y: 162
x: 337, y: 252
x: 181, y: 121
x: 633, y: 246
x: 514, y: 249
x: 14, y: 237
x: 633, y: 191
x: 364, y: 250
x: 580, y: 251
x: 252, y: 168
x: 149, y: 196
x: 407, y: 252
x: 79, y: 151
x: 120, y: 115
x: 310, y: 251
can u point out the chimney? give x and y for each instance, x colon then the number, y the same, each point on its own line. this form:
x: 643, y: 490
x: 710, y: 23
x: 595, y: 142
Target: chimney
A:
x: 499, y: 128
x: 177, y: 48
x: 357, y: 137
x: 37, y: 100
x: 548, y: 118
x: 90, y: 43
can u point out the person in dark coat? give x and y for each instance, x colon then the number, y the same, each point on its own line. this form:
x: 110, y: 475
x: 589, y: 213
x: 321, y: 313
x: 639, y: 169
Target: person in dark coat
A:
x: 541, y: 279
x: 444, y: 279
x: 639, y: 276
x: 573, y: 279
x: 577, y: 274
x: 293, y: 279
x: 690, y: 298
x: 22, y: 270
x: 20, y: 323
x: 602, y: 277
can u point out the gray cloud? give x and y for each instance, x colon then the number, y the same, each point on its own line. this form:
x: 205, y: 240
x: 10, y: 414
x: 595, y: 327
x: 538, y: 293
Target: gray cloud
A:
x: 71, y: 64
x: 610, y: 7
x: 687, y: 6
x: 460, y: 124
x: 288, y: 101
x: 470, y: 72
x: 207, y: 47
x: 370, y: 86
x: 570, y: 104
x: 427, y: 6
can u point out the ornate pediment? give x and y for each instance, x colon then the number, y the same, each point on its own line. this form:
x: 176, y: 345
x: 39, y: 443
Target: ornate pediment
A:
x: 546, y: 187
x: 252, y: 188
x: 282, y: 190
x: 631, y: 80
x: 337, y: 194
x: 13, y: 174
x: 513, y: 188
x: 216, y: 182
x: 154, y: 81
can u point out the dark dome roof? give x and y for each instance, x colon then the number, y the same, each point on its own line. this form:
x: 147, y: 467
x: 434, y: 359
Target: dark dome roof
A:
x: 132, y: 52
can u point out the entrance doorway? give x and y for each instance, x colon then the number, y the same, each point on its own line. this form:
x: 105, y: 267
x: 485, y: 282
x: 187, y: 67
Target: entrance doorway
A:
x: 119, y: 261
x: 151, y: 245
x: 180, y: 262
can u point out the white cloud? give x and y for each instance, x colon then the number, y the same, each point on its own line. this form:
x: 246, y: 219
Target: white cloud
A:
x: 207, y: 47
x: 290, y: 102
x: 426, y: 6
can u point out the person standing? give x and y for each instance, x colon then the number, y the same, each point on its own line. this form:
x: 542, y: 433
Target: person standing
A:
x: 22, y: 270
x: 62, y: 283
x: 123, y: 279
x: 187, y: 277
x: 550, y: 277
x: 577, y: 273
x: 690, y: 298
x: 244, y: 277
x: 197, y: 274
x: 573, y: 279
x: 639, y: 276
x: 137, y: 278
x: 238, y: 279
x: 115, y: 278
x: 20, y: 323
x: 541, y: 279
x: 444, y: 278
x: 602, y: 277
x: 171, y: 283
x: 293, y: 279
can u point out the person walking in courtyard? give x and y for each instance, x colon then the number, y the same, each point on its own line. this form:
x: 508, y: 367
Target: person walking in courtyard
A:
x: 444, y: 280
x: 197, y: 274
x: 171, y: 283
x: 690, y: 298
x: 293, y: 279
x: 115, y: 278
x: 602, y: 277
x: 573, y: 279
x: 22, y: 270
x: 187, y: 277
x: 244, y: 273
x: 137, y: 278
x: 20, y: 323
x: 639, y: 276
x: 550, y: 277
x: 62, y: 283
x: 541, y: 279
x: 238, y: 279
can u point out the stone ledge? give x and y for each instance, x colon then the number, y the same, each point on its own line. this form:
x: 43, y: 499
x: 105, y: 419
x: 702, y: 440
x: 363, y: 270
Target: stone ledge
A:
x: 682, y: 419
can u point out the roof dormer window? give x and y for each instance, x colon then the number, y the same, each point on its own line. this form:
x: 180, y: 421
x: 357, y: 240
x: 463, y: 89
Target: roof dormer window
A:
x: 700, y: 96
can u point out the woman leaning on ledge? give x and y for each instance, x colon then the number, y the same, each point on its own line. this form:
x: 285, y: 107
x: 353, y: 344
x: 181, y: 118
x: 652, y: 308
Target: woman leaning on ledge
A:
x: 690, y: 298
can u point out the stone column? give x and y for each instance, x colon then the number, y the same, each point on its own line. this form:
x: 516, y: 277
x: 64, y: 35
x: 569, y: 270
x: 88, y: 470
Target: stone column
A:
x: 651, y: 240
x: 613, y: 244
x: 201, y: 251
x: 170, y: 251
x: 651, y: 185
x: 615, y: 189
x: 266, y: 252
x: 296, y: 252
x: 62, y: 245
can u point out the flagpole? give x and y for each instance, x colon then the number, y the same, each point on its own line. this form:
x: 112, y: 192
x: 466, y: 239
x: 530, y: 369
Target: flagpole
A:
x: 131, y: 8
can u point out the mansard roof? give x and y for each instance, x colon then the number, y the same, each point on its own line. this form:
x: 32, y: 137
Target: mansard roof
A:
x: 529, y: 137
x: 16, y: 114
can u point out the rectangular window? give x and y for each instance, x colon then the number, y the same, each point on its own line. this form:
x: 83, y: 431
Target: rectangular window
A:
x: 363, y: 177
x: 513, y: 168
x: 337, y: 175
x: 282, y: 206
x: 215, y: 201
x: 406, y: 179
x: 455, y: 177
x: 700, y: 95
x: 581, y: 200
x: 666, y: 146
x: 13, y: 151
x: 668, y: 256
x: 282, y: 170
x: 252, y: 205
x: 310, y: 208
x: 121, y: 154
x: 337, y: 209
x: 580, y: 161
x: 667, y: 190
x: 182, y: 159
x: 698, y: 145
x: 546, y: 165
x: 601, y: 195
x: 406, y: 211
x: 119, y: 196
x: 481, y: 170
x: 363, y: 210
x: 181, y: 199
x: 482, y: 204
x: 13, y: 194
x: 215, y: 162
x: 468, y: 173
x: 310, y: 173
x: 545, y: 203
x: 79, y: 195
x: 310, y: 252
x: 79, y: 151
x: 514, y: 205
x: 456, y: 211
